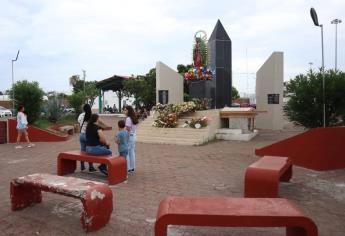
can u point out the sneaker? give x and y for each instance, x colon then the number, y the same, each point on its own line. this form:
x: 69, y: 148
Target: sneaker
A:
x: 31, y: 145
x: 18, y: 146
x: 92, y: 169
x: 103, y: 170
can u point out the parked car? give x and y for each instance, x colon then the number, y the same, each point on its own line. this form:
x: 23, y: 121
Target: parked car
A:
x: 69, y: 110
x: 5, y: 112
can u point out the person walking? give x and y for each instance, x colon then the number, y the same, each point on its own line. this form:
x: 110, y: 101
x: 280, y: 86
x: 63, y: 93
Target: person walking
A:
x: 131, y: 126
x: 83, y: 120
x: 96, y: 144
x: 22, y: 128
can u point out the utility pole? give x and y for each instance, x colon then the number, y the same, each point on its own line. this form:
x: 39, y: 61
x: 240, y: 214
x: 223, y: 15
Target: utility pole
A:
x: 84, y: 75
x: 336, y: 22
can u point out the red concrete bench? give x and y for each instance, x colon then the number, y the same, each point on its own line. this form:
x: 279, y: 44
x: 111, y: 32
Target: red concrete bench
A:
x: 97, y: 198
x: 233, y: 212
x: 262, y: 177
x: 117, y: 166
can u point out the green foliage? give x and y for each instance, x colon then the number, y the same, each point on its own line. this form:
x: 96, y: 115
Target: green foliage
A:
x: 143, y: 88
x: 234, y: 93
x: 30, y: 95
x: 44, y: 123
x: 76, y: 100
x: 54, y: 109
x: 91, y: 91
x: 305, y: 106
x: 183, y: 69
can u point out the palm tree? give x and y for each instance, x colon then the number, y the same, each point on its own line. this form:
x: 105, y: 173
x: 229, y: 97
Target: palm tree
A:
x: 73, y: 80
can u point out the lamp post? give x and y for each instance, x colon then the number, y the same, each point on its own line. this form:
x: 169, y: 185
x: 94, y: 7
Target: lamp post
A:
x: 310, y: 65
x: 316, y: 23
x: 13, y: 82
x: 336, y: 22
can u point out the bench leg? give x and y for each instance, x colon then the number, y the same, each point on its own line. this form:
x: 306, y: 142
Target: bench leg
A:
x: 287, y: 175
x: 117, y: 171
x: 296, y: 231
x: 23, y: 196
x: 161, y: 229
x: 98, y: 206
x: 66, y: 166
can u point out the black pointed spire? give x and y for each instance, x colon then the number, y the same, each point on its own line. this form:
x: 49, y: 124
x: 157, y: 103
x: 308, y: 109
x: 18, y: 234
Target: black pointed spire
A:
x: 219, y: 32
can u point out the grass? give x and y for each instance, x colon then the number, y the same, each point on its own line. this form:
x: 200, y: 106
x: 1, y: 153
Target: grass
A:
x: 44, y: 123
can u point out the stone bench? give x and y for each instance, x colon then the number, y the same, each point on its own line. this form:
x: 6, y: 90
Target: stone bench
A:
x: 69, y: 129
x: 97, y: 198
x: 233, y: 212
x: 263, y: 176
x: 117, y: 166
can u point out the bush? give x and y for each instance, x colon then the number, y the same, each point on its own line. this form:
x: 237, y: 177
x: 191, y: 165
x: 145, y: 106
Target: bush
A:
x: 54, y: 109
x: 76, y: 100
x: 305, y: 106
x: 30, y: 95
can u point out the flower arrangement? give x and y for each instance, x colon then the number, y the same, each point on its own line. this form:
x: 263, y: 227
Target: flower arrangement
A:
x: 196, y: 123
x: 166, y: 120
x: 198, y: 73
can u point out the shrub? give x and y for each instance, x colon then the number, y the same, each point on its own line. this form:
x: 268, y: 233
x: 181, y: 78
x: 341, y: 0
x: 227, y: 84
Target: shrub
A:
x: 54, y: 109
x: 76, y: 100
x: 30, y: 95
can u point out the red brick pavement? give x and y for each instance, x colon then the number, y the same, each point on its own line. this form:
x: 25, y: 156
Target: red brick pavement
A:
x: 215, y: 169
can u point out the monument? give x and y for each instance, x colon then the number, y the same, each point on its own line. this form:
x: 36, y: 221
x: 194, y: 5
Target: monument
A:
x: 269, y: 93
x: 169, y: 85
x: 219, y: 62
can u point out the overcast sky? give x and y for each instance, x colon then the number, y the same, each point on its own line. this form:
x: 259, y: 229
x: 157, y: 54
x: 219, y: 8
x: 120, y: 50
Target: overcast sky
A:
x: 59, y: 38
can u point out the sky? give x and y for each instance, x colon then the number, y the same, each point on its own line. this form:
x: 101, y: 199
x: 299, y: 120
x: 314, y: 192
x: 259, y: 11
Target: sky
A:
x: 60, y: 38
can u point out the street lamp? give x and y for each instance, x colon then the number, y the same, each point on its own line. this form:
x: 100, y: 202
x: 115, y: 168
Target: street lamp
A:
x: 13, y: 82
x: 316, y: 23
x: 310, y: 65
x: 336, y: 22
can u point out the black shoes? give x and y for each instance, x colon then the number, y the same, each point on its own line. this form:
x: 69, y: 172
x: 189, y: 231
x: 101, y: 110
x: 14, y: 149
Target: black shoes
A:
x: 92, y: 169
x: 103, y: 168
x: 132, y: 170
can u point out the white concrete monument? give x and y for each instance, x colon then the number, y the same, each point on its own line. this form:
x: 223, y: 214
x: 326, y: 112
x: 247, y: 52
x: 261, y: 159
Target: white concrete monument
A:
x: 169, y: 85
x: 269, y: 93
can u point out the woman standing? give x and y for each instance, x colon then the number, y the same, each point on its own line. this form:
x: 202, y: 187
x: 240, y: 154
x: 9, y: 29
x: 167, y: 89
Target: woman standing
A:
x: 131, y: 126
x: 96, y: 144
x: 83, y: 120
x: 22, y: 126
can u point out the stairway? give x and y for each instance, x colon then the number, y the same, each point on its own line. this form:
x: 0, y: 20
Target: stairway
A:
x: 146, y: 133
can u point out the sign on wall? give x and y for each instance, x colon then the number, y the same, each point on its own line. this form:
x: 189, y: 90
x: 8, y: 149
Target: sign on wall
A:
x: 163, y: 96
x: 273, y: 98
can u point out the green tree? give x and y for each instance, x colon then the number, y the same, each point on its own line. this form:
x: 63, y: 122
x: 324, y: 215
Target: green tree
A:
x: 183, y: 69
x: 76, y: 101
x: 143, y: 88
x: 234, y: 93
x: 305, y: 105
x: 91, y: 91
x: 30, y: 95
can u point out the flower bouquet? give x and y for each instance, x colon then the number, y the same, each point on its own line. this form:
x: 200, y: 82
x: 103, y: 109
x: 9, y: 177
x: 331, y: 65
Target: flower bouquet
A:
x: 196, y: 123
x: 198, y: 73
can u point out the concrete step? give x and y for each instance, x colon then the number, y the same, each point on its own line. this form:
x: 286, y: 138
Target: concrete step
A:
x: 161, y: 140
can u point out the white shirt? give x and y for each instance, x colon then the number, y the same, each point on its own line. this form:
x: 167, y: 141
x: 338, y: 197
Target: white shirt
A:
x: 80, y: 121
x: 132, y: 127
x: 21, y: 119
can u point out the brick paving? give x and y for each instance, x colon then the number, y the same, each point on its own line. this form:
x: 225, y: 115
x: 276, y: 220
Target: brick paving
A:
x: 215, y: 169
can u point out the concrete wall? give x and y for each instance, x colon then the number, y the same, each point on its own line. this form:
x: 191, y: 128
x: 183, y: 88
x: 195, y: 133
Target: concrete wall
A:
x: 269, y: 80
x: 168, y: 79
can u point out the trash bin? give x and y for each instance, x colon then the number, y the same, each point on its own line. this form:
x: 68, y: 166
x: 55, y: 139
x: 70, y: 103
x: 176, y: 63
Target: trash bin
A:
x: 3, y: 132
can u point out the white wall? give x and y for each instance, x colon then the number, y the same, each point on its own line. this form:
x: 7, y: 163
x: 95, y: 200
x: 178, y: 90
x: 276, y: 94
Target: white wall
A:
x: 269, y: 80
x: 169, y: 79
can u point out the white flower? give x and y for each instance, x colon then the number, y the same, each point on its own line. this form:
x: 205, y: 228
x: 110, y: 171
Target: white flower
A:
x: 197, y: 126
x: 184, y: 125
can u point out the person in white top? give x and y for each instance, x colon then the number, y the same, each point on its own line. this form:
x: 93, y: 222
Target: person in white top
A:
x: 83, y: 120
x: 22, y: 127
x: 131, y: 126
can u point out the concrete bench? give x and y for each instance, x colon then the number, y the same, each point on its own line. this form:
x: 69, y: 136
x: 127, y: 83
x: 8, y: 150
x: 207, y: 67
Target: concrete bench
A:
x: 97, y: 198
x: 117, y: 166
x: 262, y: 177
x: 233, y: 212
x: 69, y: 129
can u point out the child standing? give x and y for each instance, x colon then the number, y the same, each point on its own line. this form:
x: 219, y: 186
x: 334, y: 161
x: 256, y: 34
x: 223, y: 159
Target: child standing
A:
x: 122, y: 139
x: 22, y: 126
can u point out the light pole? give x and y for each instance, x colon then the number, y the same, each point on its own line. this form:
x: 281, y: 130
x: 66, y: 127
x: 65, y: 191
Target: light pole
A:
x: 336, y: 22
x: 13, y: 82
x: 316, y: 23
x: 84, y: 75
x: 310, y: 65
